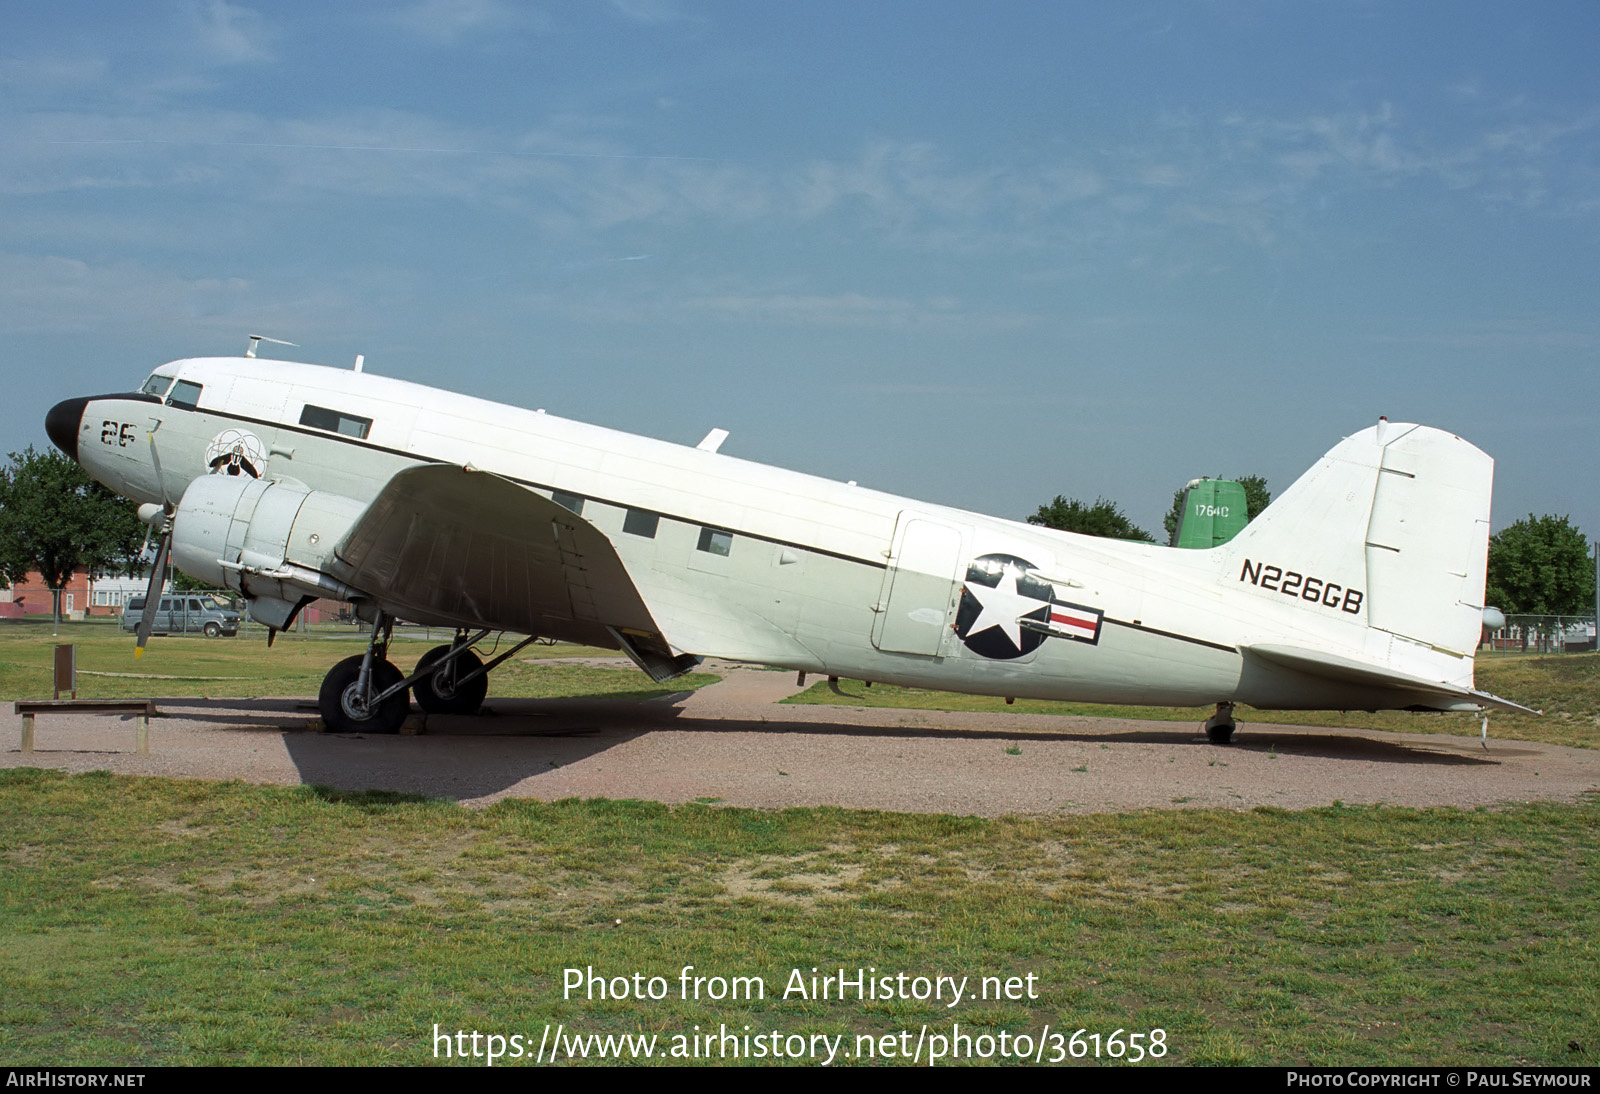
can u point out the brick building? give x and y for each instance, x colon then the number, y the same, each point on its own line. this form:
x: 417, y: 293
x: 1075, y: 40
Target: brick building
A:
x: 32, y: 596
x: 104, y: 596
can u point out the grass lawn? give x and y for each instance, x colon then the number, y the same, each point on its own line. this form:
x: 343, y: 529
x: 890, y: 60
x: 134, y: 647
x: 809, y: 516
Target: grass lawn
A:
x: 150, y: 921
x: 161, y: 921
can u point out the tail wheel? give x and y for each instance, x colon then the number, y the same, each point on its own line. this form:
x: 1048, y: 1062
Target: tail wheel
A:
x: 1220, y: 726
x: 438, y: 692
x: 344, y: 708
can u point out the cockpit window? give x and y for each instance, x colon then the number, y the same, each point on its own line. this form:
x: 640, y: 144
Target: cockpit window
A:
x: 336, y: 421
x: 185, y: 395
x: 157, y: 385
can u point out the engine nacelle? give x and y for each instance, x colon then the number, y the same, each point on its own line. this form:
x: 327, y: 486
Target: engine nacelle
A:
x: 271, y: 541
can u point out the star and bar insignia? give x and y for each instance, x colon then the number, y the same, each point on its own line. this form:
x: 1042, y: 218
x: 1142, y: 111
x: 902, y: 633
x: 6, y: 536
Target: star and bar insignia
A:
x: 1007, y: 611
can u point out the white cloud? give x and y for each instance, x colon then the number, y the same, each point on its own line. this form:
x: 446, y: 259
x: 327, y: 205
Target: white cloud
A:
x: 842, y: 310
x: 50, y: 293
x: 52, y: 74
x: 1256, y: 181
x: 651, y: 11
x: 449, y: 21
x: 228, y: 34
x: 1530, y: 334
x: 955, y: 390
x: 854, y: 310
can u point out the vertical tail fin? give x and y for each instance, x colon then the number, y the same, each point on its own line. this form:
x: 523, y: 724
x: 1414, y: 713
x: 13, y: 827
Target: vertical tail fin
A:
x: 1396, y: 518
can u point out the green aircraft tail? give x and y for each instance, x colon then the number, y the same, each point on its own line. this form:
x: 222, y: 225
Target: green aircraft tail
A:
x: 1214, y: 511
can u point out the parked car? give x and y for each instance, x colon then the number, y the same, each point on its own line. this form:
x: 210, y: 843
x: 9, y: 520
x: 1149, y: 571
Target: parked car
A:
x: 184, y: 614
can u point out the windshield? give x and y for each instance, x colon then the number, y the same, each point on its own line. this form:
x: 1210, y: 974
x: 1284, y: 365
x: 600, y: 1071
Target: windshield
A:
x: 157, y: 385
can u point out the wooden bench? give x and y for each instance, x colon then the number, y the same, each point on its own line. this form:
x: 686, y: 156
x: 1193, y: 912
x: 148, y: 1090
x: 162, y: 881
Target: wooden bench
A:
x: 141, y: 709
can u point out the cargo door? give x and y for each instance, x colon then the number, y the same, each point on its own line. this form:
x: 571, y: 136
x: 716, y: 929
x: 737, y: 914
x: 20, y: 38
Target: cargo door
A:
x: 920, y: 589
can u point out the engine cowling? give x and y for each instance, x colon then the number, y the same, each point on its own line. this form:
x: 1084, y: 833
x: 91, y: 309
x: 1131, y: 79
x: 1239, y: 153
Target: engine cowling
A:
x: 270, y: 540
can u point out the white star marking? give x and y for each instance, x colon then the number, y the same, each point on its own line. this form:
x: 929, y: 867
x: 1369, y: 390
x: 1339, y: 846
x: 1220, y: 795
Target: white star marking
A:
x: 1003, y: 606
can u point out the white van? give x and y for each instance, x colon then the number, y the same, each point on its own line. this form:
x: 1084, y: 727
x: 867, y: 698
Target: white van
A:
x: 184, y: 613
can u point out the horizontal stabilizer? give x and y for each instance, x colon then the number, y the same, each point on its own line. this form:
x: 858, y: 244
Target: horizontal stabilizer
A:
x: 1435, y: 694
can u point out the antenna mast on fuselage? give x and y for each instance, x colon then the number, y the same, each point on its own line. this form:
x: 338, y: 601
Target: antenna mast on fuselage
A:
x: 257, y: 339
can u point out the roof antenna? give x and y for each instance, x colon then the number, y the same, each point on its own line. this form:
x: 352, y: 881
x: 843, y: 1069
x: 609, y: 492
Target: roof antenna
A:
x: 257, y: 339
x: 361, y: 359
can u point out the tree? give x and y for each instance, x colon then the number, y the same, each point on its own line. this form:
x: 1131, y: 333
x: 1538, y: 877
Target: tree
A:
x: 1541, y: 566
x: 1103, y: 518
x: 1256, y: 496
x: 183, y: 583
x: 54, y: 519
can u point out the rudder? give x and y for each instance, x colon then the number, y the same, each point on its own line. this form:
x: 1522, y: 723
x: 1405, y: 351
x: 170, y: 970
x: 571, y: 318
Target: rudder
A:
x: 1427, y: 543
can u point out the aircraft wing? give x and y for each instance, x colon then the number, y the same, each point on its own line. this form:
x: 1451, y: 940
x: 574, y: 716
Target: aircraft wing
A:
x: 450, y: 546
x: 1433, y: 694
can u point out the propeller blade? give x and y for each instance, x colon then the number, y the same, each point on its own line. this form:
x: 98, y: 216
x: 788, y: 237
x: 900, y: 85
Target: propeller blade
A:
x: 155, y: 460
x: 152, y: 594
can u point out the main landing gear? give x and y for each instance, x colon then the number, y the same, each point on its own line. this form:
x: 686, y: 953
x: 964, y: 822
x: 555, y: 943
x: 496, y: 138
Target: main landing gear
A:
x: 363, y: 694
x: 1220, y: 726
x: 367, y: 694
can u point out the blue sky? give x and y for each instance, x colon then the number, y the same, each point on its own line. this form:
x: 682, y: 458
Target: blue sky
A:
x: 978, y: 254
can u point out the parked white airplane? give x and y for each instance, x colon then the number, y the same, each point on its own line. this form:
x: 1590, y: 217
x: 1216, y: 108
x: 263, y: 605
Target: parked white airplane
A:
x: 1361, y: 587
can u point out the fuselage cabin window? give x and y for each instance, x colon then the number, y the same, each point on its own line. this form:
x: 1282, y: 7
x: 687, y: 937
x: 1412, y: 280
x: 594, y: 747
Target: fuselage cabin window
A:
x: 714, y: 541
x: 641, y: 522
x: 335, y: 421
x: 567, y: 501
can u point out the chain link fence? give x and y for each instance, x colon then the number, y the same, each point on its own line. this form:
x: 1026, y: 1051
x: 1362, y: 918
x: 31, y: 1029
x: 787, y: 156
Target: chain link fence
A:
x: 1544, y: 634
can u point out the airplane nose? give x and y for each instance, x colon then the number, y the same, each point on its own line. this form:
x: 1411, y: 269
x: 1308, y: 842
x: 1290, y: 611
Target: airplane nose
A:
x: 62, y: 425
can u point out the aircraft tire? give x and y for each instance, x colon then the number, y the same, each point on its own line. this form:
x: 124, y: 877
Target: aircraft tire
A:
x: 343, y: 714
x: 1220, y: 734
x: 436, y: 699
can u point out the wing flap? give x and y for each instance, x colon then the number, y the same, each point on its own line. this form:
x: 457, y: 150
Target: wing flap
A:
x: 449, y: 546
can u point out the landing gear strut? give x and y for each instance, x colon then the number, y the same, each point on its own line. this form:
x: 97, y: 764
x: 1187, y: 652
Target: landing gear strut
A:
x: 1220, y: 726
x: 366, y: 693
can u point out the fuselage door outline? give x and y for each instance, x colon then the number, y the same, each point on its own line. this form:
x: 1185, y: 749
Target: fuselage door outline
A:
x: 920, y: 588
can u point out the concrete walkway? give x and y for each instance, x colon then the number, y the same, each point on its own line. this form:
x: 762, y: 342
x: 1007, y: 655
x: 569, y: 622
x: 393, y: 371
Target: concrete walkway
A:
x: 734, y: 743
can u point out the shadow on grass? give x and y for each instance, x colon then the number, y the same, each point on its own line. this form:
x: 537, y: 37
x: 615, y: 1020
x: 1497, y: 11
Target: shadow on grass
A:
x: 368, y: 801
